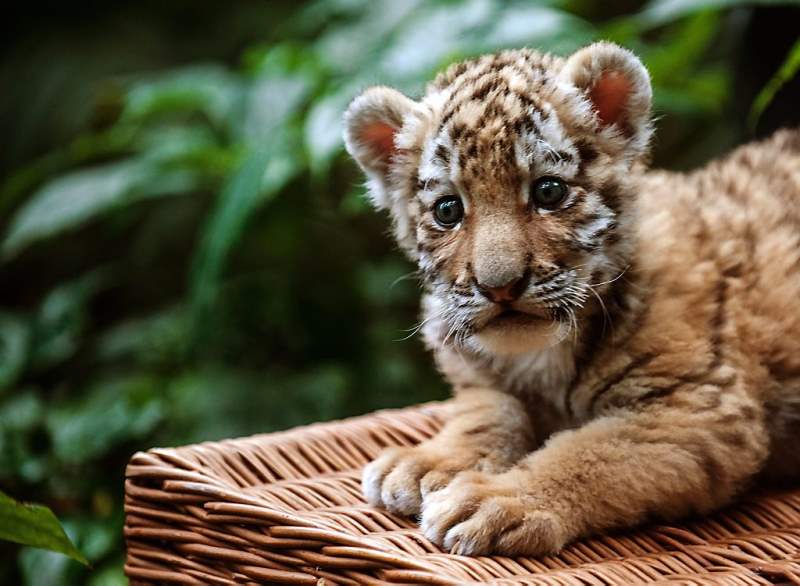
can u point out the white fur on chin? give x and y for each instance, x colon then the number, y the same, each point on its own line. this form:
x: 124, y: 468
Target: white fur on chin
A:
x: 514, y: 339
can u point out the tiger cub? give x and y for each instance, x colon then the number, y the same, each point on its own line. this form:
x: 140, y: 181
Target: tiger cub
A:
x: 622, y: 344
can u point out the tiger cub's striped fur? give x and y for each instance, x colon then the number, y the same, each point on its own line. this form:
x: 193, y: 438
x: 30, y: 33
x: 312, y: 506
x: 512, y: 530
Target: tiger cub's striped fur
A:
x: 632, y: 350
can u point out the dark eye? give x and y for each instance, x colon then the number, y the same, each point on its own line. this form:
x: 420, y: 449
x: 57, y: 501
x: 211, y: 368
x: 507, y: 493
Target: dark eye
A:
x: 448, y: 211
x: 548, y: 192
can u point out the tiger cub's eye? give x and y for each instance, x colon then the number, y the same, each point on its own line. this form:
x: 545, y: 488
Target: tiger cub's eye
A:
x: 448, y: 211
x: 548, y: 192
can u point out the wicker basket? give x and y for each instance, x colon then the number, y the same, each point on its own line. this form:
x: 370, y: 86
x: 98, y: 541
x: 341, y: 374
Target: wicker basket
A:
x: 287, y: 508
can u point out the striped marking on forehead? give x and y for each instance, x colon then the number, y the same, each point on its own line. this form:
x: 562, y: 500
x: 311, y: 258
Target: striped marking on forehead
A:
x: 507, y: 90
x: 532, y: 144
x: 544, y: 146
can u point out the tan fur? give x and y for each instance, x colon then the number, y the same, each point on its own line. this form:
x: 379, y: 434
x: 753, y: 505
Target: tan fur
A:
x: 662, y: 374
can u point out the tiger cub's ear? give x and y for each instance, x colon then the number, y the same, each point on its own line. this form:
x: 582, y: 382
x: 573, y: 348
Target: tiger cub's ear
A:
x: 371, y: 124
x: 617, y: 88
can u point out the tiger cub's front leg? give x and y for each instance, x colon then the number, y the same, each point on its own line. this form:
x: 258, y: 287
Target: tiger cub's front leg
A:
x: 665, y: 460
x: 486, y: 430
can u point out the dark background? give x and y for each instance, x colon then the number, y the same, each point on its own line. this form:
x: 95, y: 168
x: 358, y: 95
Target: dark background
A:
x: 185, y: 253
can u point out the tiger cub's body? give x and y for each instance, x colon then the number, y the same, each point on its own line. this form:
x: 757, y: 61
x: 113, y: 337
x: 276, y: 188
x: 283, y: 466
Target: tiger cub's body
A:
x: 622, y: 343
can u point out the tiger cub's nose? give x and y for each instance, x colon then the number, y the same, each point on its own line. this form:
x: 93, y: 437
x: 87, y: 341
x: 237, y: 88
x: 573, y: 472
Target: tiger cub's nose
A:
x: 506, y: 293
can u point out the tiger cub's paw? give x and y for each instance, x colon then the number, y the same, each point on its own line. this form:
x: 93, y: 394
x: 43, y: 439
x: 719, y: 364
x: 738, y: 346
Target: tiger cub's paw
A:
x: 480, y: 514
x: 401, y: 477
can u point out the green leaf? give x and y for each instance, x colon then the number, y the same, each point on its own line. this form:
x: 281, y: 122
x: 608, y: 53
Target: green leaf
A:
x: 14, y: 342
x: 283, y: 83
x: 261, y: 176
x: 210, y: 89
x: 786, y: 71
x: 347, y: 48
x: 545, y: 28
x: 271, y: 102
x: 36, y: 526
x: 114, y: 142
x: 323, y: 129
x: 170, y: 144
x: 71, y: 200
x: 433, y: 36
x: 660, y: 12
x: 285, y: 76
x: 669, y: 63
x: 240, y: 195
x: 705, y: 93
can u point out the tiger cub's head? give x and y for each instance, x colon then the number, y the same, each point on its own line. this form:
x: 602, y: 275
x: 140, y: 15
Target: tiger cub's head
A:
x: 508, y: 184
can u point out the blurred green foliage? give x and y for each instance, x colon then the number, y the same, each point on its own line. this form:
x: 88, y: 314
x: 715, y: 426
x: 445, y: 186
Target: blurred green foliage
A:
x: 199, y: 261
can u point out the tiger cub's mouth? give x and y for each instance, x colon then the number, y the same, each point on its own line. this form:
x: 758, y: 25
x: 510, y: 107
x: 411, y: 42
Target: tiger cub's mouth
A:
x: 516, y: 318
x: 513, y: 331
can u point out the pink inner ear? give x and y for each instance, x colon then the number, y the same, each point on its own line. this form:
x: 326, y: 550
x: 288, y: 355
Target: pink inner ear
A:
x: 610, y: 96
x: 380, y: 137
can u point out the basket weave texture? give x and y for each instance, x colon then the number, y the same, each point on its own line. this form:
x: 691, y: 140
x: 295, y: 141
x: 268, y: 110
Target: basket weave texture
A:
x: 287, y: 508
